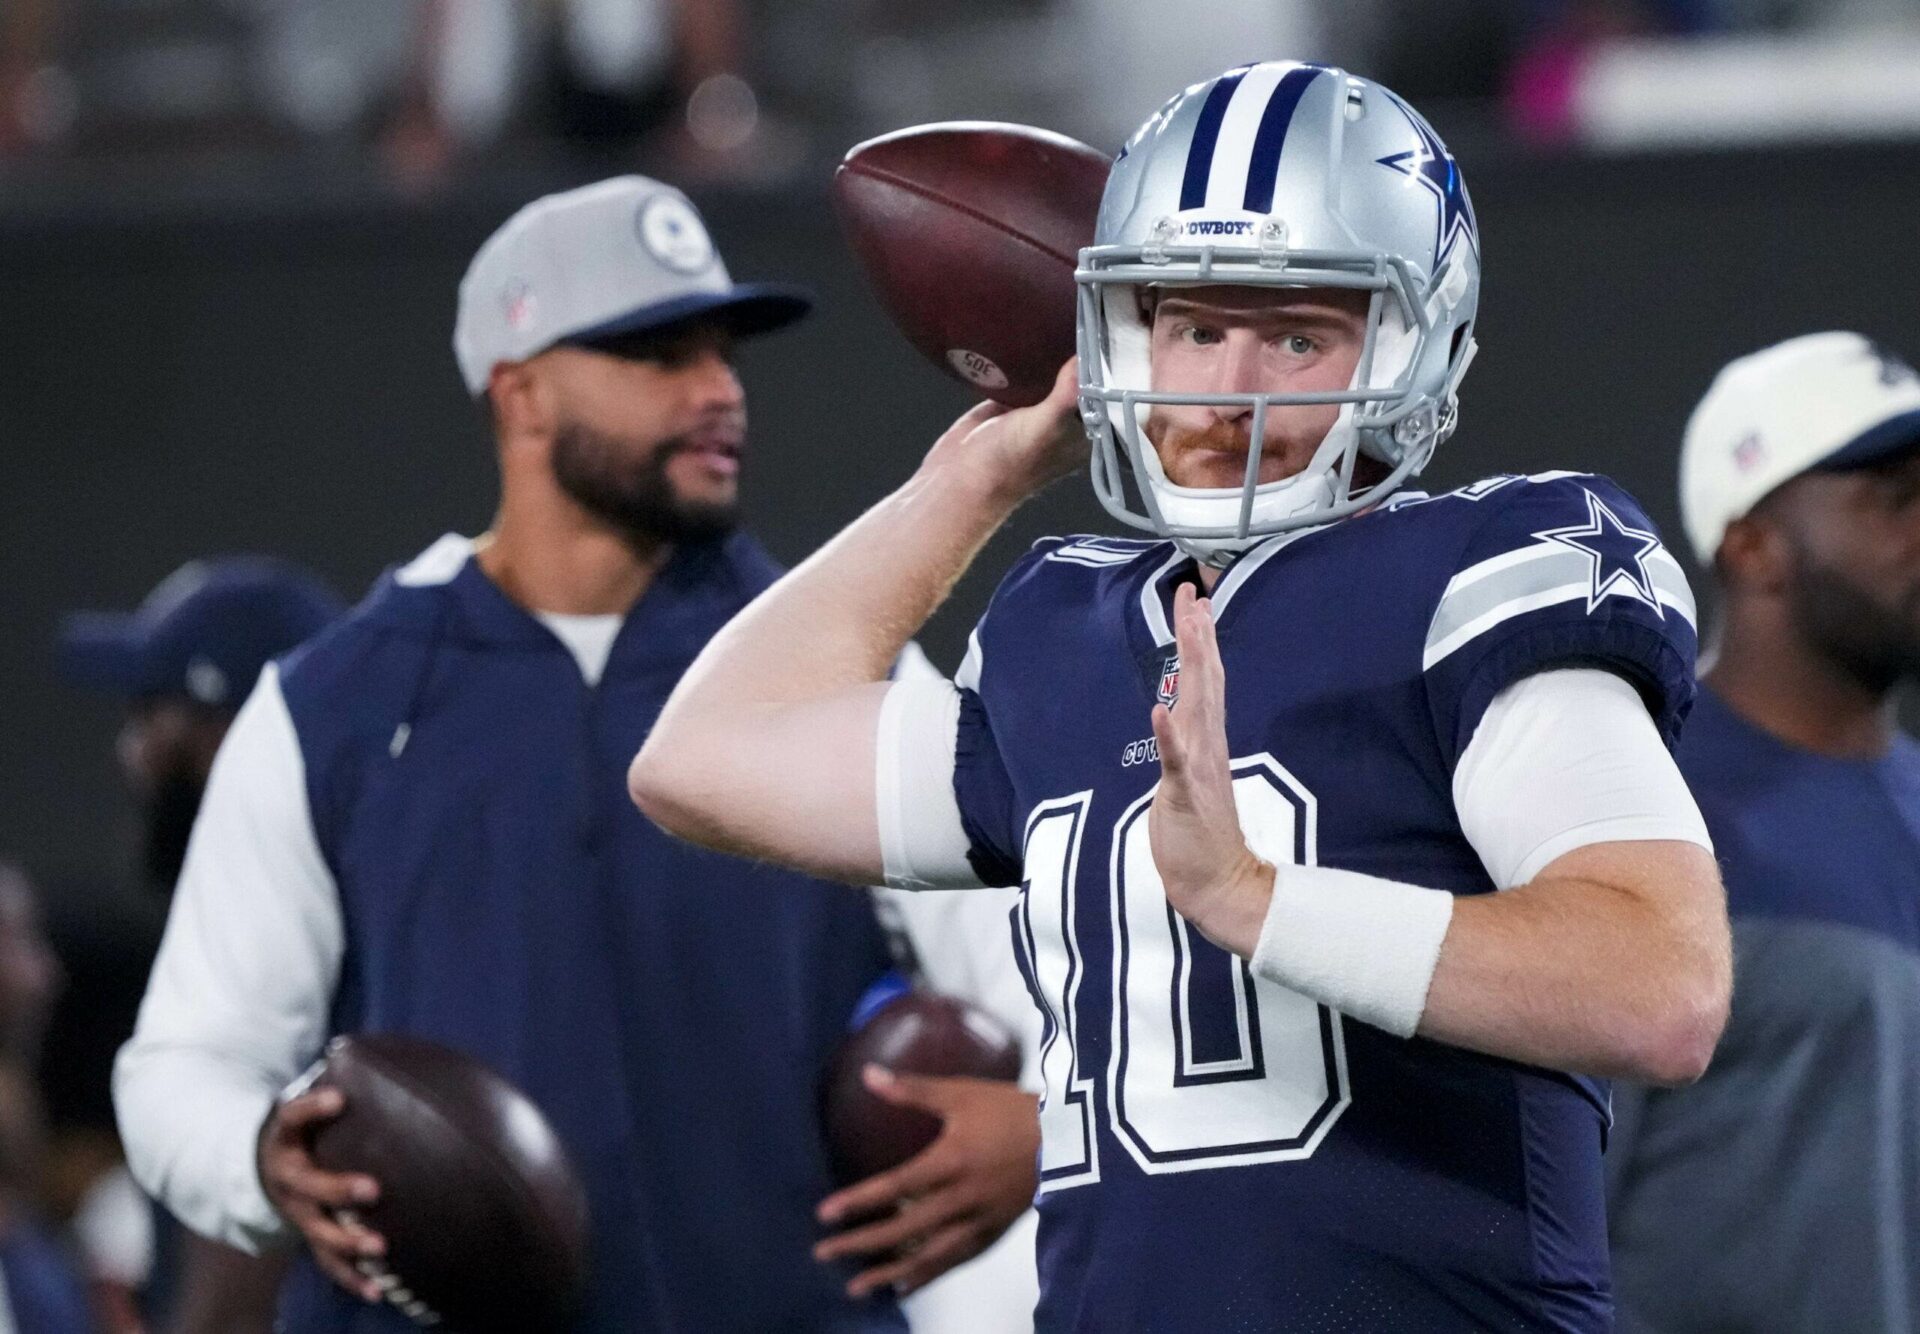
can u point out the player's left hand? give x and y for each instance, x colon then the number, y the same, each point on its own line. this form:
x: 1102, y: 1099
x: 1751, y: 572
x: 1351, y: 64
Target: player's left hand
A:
x: 950, y: 1201
x: 1212, y: 877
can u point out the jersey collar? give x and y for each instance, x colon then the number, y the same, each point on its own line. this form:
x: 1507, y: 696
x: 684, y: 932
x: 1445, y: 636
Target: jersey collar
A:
x: 1156, y: 591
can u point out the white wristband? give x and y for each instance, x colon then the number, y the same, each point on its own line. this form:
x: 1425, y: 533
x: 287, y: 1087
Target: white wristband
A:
x: 1359, y: 944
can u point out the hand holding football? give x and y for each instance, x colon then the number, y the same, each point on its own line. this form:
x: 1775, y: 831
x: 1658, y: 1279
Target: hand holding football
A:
x: 970, y: 233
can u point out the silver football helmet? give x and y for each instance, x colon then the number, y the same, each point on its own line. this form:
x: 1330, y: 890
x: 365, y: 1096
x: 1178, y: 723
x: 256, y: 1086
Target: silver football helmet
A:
x: 1280, y: 175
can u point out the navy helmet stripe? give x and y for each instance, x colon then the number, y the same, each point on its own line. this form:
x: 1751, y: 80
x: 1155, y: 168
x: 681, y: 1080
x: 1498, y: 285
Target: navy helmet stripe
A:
x: 1206, y: 133
x: 1271, y: 137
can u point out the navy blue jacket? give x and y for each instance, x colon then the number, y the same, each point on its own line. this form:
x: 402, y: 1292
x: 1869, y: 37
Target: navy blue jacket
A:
x: 668, y: 1008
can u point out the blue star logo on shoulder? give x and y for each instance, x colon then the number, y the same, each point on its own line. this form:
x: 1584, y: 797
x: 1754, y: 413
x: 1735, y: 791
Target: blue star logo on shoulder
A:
x: 1619, y: 554
x: 1432, y: 167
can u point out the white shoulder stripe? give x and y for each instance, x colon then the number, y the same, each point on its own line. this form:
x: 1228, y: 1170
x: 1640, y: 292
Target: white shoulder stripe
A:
x: 1093, y: 558
x: 1099, y: 552
x: 1150, y: 608
x: 438, y: 564
x: 968, y: 677
x: 1543, y: 574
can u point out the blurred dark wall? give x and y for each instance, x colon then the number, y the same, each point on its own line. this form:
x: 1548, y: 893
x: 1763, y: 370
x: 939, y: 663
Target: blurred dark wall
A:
x: 180, y: 378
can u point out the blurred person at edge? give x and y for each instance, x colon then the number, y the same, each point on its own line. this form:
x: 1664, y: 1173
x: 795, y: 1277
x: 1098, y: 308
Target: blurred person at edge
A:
x: 430, y: 79
x: 183, y: 662
x: 41, y: 1291
x: 419, y: 823
x: 1781, y: 1193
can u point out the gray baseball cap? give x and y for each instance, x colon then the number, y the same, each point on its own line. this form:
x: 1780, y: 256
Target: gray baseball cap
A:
x: 620, y: 256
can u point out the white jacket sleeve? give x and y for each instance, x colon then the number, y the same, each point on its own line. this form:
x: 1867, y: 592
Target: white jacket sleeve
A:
x: 239, y: 998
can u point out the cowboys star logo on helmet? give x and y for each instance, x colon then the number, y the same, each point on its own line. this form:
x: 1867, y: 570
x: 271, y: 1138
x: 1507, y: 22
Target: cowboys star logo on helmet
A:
x: 1433, y: 167
x: 1280, y: 174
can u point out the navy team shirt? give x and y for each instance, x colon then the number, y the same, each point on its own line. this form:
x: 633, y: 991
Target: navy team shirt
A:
x: 671, y: 1010
x: 1220, y: 1153
x: 1782, y: 1191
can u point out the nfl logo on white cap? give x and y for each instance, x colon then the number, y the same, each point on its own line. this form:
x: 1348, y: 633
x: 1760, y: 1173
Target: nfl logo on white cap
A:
x: 1821, y: 401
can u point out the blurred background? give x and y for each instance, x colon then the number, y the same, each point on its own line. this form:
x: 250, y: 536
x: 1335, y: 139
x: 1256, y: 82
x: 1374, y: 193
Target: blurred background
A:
x: 231, y: 230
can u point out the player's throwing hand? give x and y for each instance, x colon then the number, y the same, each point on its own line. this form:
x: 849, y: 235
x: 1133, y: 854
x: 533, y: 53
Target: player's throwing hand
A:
x: 1022, y: 449
x: 1211, y: 876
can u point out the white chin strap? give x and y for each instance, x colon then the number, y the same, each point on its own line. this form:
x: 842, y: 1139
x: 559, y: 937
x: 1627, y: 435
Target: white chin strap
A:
x: 1309, y: 490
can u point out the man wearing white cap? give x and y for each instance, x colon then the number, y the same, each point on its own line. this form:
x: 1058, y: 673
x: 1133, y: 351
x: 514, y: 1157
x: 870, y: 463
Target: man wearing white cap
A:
x: 418, y: 823
x: 1782, y: 1191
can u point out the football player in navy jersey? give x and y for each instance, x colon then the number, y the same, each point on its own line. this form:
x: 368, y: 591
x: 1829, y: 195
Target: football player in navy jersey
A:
x: 1353, y: 857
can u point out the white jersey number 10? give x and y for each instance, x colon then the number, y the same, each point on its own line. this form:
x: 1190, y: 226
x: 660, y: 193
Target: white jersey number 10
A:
x: 1205, y: 1065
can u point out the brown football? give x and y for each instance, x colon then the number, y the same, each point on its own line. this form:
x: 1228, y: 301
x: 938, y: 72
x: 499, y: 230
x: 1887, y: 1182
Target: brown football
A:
x: 916, y: 1033
x: 485, y: 1220
x: 969, y: 232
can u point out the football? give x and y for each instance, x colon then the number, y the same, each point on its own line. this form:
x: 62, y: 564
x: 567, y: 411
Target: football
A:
x: 970, y: 232
x: 916, y: 1032
x: 485, y: 1221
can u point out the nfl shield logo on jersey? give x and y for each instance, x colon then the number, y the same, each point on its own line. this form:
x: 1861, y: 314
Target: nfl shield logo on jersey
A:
x: 1169, y: 690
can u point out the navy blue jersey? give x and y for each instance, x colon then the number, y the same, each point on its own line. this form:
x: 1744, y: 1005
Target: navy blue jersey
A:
x: 1220, y: 1153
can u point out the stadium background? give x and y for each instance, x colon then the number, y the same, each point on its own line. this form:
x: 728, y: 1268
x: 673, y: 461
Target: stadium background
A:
x: 219, y: 334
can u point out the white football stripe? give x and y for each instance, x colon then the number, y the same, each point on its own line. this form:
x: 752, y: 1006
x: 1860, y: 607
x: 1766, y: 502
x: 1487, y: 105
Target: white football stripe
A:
x: 1479, y: 625
x: 1550, y: 597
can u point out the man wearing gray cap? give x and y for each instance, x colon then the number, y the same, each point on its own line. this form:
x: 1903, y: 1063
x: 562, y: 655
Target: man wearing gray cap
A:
x: 1781, y: 1192
x: 418, y: 823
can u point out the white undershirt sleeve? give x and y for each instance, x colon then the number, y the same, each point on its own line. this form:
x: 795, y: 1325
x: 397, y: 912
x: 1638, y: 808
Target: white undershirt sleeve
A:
x: 1563, y: 759
x: 962, y: 937
x: 923, y: 844
x: 1560, y: 760
x: 240, y: 993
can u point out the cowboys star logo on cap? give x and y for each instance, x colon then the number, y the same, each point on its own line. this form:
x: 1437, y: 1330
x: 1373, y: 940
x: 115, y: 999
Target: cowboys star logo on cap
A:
x: 205, y: 681
x: 673, y: 234
x: 1893, y: 370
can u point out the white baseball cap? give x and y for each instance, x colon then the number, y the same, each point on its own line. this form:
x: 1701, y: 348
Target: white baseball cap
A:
x: 1826, y: 401
x: 619, y: 256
